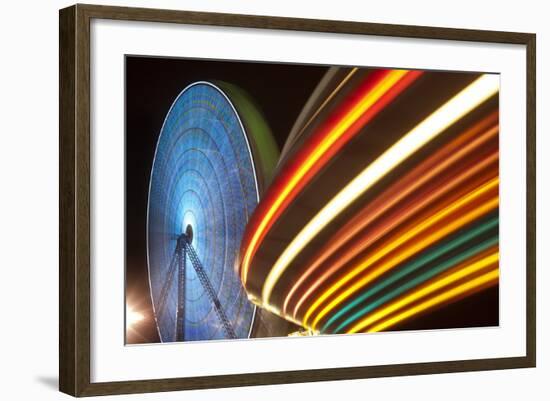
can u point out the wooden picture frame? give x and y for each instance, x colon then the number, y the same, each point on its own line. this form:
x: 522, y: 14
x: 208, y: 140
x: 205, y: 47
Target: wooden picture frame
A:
x: 74, y: 204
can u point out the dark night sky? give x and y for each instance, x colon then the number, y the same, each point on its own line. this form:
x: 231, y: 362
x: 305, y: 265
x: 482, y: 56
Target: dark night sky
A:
x: 152, y: 84
x: 280, y: 91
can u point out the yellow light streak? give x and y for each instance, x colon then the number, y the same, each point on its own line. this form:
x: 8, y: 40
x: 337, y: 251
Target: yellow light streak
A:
x: 426, y: 290
x: 372, y: 97
x: 481, y: 281
x: 458, y: 106
x: 417, y: 246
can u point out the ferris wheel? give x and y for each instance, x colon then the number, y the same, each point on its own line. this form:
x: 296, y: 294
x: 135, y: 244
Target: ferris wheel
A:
x: 214, y: 156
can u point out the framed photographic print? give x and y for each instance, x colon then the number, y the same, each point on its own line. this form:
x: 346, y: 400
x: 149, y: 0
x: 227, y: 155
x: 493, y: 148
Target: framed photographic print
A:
x: 296, y: 200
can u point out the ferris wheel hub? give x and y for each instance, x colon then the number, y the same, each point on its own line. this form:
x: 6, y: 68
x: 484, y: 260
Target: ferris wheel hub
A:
x: 189, y: 233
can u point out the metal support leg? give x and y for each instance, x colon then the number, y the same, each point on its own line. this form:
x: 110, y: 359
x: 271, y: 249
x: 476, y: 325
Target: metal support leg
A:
x: 207, y: 285
x: 180, y: 313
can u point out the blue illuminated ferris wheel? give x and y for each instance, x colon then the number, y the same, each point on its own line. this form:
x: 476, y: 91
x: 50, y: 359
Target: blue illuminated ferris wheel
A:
x: 214, y: 156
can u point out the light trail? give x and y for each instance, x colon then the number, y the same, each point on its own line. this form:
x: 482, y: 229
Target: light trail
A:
x: 412, y: 267
x: 458, y: 106
x: 456, y: 209
x: 435, y: 165
x: 477, y: 284
x: 323, y: 151
x: 447, y: 188
x: 426, y: 290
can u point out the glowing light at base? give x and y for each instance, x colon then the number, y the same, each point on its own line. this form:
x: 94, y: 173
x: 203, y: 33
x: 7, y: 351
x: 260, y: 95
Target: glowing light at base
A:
x: 133, y: 317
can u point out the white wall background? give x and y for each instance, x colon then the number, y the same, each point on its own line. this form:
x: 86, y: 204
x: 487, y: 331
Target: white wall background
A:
x: 28, y: 197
